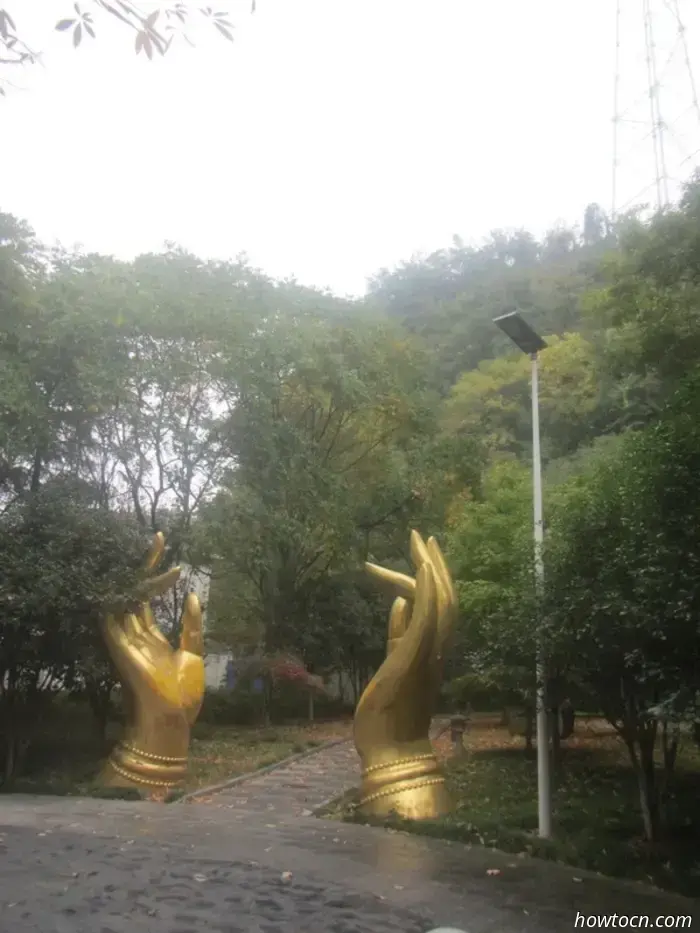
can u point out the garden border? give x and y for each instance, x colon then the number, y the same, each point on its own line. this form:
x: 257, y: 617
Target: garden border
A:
x: 240, y: 778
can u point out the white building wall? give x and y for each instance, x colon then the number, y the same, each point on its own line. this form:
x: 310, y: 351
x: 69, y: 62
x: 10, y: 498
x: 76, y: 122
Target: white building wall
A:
x: 198, y: 582
x: 215, y: 670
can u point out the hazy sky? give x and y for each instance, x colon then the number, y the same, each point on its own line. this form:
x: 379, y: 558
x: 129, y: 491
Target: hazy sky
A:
x: 337, y: 136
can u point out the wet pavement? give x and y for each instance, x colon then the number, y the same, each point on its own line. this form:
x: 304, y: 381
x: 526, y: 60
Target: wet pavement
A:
x: 297, y: 789
x: 254, y: 859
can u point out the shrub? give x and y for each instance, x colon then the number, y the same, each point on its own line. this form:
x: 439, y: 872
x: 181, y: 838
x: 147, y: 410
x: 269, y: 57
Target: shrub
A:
x: 238, y: 707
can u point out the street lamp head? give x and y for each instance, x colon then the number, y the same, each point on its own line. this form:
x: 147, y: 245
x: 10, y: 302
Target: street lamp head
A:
x: 520, y: 332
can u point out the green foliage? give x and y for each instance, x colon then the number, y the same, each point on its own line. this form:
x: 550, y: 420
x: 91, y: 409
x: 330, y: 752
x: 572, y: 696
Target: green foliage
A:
x: 492, y: 401
x: 61, y: 560
x: 622, y: 557
x: 243, y: 707
x: 621, y: 604
x: 484, y: 693
x: 281, y: 436
x: 240, y: 707
x: 650, y: 301
x: 326, y: 419
x: 449, y: 298
x: 490, y: 551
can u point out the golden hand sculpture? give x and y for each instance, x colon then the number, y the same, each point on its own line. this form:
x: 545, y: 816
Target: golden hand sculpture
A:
x: 400, y: 772
x: 162, y: 688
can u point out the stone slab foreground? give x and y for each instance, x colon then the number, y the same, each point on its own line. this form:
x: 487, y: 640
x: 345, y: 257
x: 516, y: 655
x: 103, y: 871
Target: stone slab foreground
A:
x: 89, y: 866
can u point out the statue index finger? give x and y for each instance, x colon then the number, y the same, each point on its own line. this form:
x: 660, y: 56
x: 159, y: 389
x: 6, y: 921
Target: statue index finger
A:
x: 155, y: 552
x: 442, y: 570
x: 446, y: 593
x: 419, y: 552
x: 397, y: 583
x: 156, y: 586
x: 192, y: 637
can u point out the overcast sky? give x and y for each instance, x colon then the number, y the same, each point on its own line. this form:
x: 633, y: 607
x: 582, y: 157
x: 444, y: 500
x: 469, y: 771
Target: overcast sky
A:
x: 338, y: 136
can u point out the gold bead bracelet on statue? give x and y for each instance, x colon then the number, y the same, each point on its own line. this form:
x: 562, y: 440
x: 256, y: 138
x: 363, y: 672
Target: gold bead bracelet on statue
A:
x: 397, y: 763
x: 163, y: 758
x: 391, y: 791
x: 139, y: 780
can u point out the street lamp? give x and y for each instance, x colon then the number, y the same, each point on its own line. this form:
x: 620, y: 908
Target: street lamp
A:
x: 524, y: 337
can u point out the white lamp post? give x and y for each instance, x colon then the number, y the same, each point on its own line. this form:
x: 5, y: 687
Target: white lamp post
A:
x: 525, y: 338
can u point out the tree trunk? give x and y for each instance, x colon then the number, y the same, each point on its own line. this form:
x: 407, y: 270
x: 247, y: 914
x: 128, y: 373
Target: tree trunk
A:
x: 639, y: 734
x: 99, y: 700
x: 555, y: 732
x: 670, y: 740
x: 568, y: 719
x: 696, y: 733
x: 645, y: 772
x: 648, y: 803
x: 9, y: 763
x: 16, y: 747
x: 267, y: 700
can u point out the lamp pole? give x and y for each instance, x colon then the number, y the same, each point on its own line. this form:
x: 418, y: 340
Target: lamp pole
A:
x: 527, y: 340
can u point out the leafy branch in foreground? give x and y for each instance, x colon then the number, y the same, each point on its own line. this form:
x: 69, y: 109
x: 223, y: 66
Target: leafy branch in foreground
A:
x: 153, y: 32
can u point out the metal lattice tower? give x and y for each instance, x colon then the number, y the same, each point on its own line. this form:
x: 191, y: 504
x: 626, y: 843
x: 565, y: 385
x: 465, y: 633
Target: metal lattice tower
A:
x: 656, y: 121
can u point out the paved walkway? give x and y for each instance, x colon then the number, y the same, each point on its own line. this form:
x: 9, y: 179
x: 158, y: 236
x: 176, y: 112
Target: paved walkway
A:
x: 253, y: 860
x: 297, y: 789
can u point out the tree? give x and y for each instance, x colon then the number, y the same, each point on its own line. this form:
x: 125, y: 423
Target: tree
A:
x: 154, y: 442
x: 59, y: 364
x: 324, y: 414
x: 490, y: 550
x: 62, y: 559
x: 622, y: 593
x: 493, y: 401
x: 647, y: 305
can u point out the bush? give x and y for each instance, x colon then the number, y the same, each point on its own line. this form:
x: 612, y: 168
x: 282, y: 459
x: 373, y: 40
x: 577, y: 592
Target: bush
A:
x: 244, y: 707
x: 469, y: 689
x: 231, y: 708
x: 291, y: 701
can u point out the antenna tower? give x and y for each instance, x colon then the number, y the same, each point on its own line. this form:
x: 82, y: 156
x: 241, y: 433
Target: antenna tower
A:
x: 656, y: 115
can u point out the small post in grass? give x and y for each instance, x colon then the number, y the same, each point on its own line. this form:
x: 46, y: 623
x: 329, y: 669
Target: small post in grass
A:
x: 458, y: 726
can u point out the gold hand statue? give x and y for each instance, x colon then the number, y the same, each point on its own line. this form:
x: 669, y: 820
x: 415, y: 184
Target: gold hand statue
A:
x: 392, y: 721
x: 162, y: 688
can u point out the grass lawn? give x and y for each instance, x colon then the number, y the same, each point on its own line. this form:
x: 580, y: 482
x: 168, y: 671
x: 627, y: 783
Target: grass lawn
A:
x: 596, y: 811
x: 67, y: 756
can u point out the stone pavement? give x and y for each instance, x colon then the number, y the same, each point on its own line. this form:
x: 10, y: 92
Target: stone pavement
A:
x: 296, y: 789
x: 72, y: 865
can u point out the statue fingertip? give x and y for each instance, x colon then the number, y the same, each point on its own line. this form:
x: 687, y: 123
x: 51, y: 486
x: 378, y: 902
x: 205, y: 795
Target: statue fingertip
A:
x: 192, y: 603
